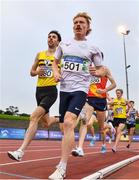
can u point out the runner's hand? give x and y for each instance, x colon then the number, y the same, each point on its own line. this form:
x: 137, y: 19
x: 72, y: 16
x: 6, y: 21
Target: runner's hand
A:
x: 40, y: 71
x: 57, y: 76
x: 101, y: 91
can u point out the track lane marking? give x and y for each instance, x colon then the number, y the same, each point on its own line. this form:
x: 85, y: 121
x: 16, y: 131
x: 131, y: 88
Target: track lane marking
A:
x: 45, y: 159
x: 18, y: 175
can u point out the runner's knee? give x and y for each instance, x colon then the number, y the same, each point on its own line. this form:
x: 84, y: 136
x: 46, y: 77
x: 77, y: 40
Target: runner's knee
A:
x: 68, y: 124
x: 34, y: 119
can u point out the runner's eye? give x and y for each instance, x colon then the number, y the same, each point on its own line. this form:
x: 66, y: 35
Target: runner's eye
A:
x: 54, y: 37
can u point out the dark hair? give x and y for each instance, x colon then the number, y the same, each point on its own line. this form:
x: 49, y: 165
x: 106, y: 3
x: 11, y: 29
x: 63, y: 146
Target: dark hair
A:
x: 57, y: 33
x: 131, y: 102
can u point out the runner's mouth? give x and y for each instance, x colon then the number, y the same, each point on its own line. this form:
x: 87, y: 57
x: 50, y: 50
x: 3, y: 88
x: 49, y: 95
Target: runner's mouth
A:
x: 50, y: 42
x: 78, y: 29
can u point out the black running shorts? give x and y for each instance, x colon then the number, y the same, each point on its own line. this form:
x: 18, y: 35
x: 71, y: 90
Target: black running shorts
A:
x: 117, y: 121
x: 72, y: 102
x: 99, y: 104
x: 46, y: 96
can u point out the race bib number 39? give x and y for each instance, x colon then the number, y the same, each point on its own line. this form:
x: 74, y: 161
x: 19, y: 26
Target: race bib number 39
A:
x: 75, y: 64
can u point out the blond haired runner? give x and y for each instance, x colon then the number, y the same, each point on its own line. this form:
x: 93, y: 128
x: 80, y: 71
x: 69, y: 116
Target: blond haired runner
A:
x: 46, y: 92
x: 77, y: 54
x: 119, y: 108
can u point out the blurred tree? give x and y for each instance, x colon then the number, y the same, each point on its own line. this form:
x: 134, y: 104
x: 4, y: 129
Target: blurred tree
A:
x: 24, y: 114
x: 1, y: 111
x: 11, y: 110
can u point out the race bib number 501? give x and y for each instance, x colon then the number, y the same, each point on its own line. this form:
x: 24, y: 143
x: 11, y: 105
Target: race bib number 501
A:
x: 75, y: 64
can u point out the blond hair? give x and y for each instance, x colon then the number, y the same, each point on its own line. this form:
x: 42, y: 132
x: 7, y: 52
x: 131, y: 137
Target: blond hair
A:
x: 119, y: 90
x: 88, y: 19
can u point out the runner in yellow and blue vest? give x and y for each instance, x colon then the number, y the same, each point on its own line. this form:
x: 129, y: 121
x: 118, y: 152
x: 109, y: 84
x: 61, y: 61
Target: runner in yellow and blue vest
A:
x: 46, y: 92
x: 131, y: 121
x: 119, y: 121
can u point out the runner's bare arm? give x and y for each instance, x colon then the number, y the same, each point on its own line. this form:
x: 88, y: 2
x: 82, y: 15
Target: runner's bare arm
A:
x: 57, y: 74
x: 35, y: 69
x: 112, y: 81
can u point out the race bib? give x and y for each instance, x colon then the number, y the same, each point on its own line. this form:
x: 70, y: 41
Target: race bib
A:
x: 131, y: 121
x: 119, y: 110
x: 75, y: 64
x: 48, y: 72
x: 95, y: 80
x: 47, y: 69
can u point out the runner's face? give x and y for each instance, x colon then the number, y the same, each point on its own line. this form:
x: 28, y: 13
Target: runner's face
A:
x: 118, y: 94
x: 131, y: 104
x: 80, y: 27
x: 52, y: 40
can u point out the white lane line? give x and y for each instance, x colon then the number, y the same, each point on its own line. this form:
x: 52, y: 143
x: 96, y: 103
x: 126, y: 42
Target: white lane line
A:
x: 31, y: 146
x: 35, y: 150
x: 48, y: 158
x: 42, y: 159
x: 54, y: 149
x: 28, y: 161
x: 110, y: 169
x: 17, y: 175
x: 48, y: 149
x: 85, y: 148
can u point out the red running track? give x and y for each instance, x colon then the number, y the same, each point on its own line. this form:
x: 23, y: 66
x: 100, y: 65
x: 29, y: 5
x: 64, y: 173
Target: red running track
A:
x: 41, y: 157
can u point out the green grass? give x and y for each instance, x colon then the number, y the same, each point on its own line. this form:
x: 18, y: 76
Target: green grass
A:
x: 12, y: 117
x: 137, y: 128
